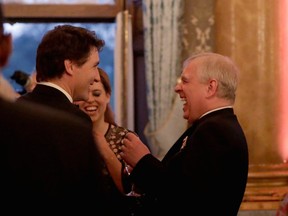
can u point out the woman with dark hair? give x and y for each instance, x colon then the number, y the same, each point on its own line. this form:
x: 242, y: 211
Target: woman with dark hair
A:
x: 98, y: 108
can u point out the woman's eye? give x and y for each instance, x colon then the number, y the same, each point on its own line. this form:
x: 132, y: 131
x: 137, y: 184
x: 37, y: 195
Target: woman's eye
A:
x: 96, y: 93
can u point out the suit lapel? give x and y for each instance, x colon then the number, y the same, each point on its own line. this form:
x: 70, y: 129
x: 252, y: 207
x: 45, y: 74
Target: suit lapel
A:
x: 180, y: 142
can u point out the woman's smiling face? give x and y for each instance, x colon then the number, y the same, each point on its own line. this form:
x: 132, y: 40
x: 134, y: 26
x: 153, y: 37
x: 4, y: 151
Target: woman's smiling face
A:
x: 97, y: 102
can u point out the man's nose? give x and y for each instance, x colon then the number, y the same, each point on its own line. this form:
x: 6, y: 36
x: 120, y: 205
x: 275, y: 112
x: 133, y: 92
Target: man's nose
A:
x: 177, y: 87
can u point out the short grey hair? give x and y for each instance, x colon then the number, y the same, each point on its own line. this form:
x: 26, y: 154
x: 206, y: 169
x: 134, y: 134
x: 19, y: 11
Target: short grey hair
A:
x: 220, y: 68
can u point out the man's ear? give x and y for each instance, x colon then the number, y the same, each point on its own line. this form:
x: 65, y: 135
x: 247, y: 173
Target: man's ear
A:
x: 212, y: 87
x: 5, y: 49
x: 69, y: 66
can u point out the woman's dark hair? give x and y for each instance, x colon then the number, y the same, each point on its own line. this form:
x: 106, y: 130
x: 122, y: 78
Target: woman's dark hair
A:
x: 62, y: 43
x: 109, y: 115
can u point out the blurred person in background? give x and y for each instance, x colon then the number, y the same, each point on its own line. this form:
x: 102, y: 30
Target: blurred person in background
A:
x: 27, y: 81
x: 6, y: 90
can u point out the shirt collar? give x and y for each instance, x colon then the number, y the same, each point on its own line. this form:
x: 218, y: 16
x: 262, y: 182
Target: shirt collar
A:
x: 53, y: 85
x: 213, y: 110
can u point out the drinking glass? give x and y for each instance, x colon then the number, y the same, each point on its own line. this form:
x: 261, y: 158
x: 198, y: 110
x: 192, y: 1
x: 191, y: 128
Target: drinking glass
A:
x: 132, y: 192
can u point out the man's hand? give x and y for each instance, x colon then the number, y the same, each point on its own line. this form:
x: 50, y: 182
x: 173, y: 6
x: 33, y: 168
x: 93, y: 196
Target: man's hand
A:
x: 133, y: 149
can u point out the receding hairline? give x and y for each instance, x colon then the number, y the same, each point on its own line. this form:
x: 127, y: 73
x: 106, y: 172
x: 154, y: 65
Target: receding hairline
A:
x: 204, y: 54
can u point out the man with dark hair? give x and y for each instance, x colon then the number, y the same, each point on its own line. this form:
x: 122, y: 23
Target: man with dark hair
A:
x: 49, y: 161
x: 66, y: 65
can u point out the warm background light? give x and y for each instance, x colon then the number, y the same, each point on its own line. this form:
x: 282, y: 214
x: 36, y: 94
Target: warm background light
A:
x: 283, y: 65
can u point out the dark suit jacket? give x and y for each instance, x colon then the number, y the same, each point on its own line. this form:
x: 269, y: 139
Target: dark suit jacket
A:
x: 206, y: 177
x: 49, y: 162
x: 52, y: 97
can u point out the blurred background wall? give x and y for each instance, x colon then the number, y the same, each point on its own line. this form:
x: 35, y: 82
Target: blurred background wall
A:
x: 246, y: 31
